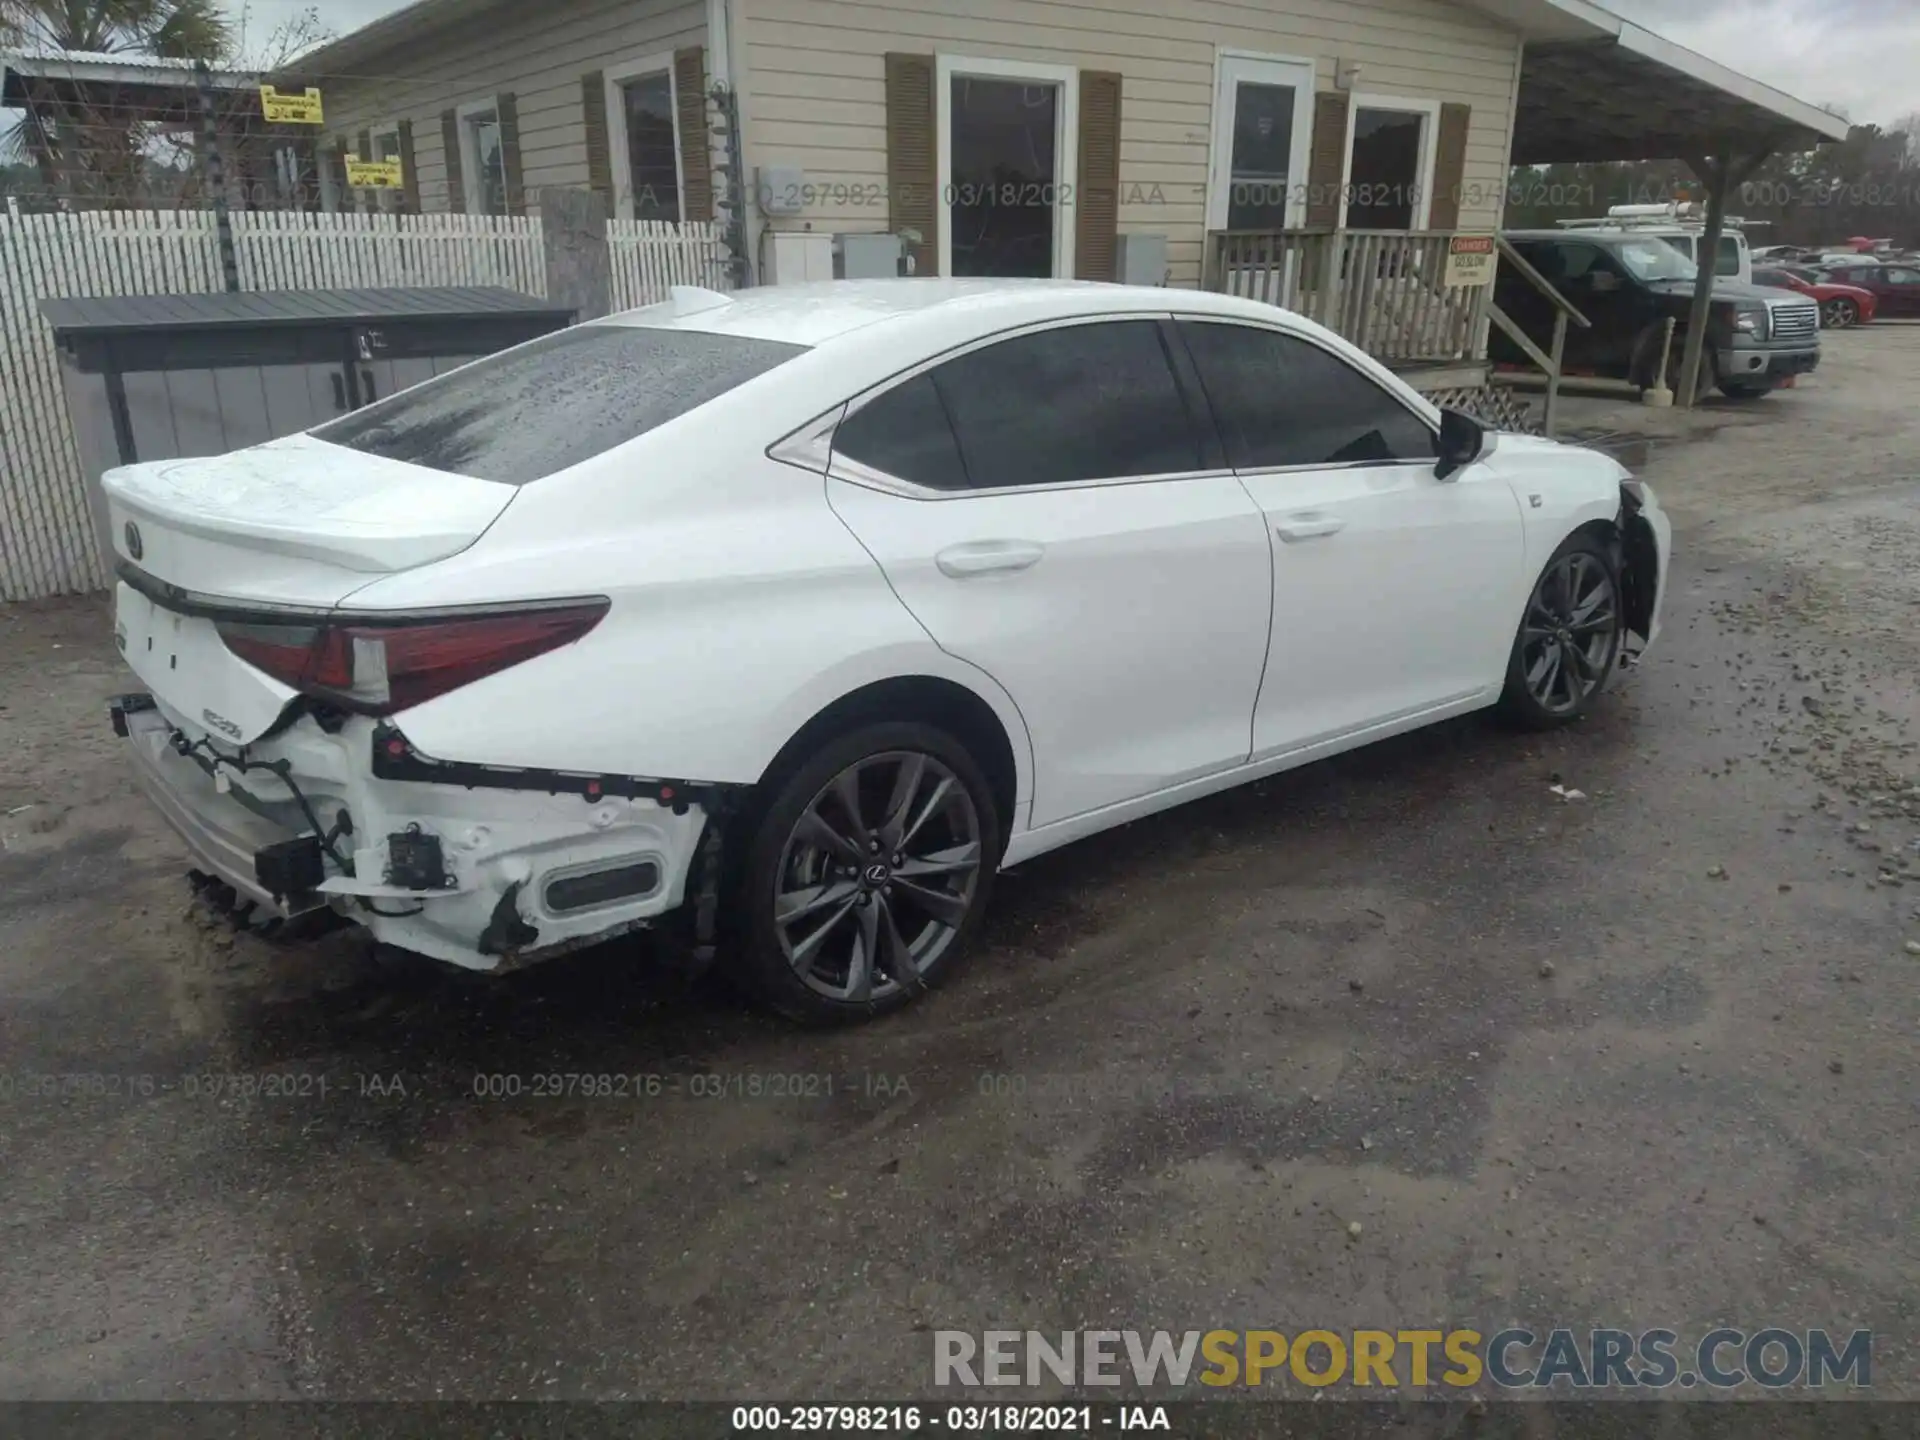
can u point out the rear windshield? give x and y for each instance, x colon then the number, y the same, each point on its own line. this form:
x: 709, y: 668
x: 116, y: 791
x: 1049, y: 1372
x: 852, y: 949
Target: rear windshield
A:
x: 537, y: 409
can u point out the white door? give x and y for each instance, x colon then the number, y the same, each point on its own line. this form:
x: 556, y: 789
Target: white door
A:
x: 1262, y: 126
x: 1047, y: 509
x: 1390, y: 586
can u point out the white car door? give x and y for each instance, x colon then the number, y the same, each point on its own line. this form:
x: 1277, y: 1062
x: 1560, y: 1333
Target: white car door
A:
x: 1393, y: 589
x: 1053, y: 509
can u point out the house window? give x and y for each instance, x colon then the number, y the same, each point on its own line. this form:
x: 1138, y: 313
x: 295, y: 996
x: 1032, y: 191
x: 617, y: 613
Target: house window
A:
x: 1008, y: 132
x: 483, y: 159
x: 643, y: 106
x: 1390, y: 163
x: 387, y: 147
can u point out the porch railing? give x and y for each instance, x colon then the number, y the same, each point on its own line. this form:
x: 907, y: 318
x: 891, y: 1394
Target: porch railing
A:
x: 1384, y: 290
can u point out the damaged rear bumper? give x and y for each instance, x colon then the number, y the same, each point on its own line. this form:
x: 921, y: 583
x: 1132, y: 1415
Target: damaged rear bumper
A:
x: 487, y: 870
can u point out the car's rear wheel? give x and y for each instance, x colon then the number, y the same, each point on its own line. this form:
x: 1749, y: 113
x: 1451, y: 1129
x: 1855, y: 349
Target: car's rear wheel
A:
x: 864, y: 880
x: 1569, y: 638
x: 1839, y: 313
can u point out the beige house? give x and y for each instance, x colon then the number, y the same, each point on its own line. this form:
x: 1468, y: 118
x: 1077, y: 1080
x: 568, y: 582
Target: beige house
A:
x: 1048, y: 127
x: 1020, y: 137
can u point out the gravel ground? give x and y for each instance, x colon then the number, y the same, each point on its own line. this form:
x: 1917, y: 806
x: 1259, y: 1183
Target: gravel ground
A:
x: 1645, y: 1058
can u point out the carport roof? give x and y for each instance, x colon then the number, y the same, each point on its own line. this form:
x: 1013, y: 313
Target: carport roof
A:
x: 1596, y: 87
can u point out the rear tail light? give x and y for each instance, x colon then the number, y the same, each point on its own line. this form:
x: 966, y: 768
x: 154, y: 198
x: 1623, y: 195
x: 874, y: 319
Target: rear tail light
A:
x: 379, y: 664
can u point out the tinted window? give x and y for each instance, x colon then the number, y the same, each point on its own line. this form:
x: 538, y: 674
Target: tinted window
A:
x: 1086, y: 402
x: 1282, y: 401
x: 1727, y: 258
x: 905, y: 433
x: 539, y: 408
x: 1774, y: 278
x: 1580, y: 260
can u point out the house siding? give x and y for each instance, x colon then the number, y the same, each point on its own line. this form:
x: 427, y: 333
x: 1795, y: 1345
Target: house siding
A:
x: 536, y: 52
x: 814, y: 91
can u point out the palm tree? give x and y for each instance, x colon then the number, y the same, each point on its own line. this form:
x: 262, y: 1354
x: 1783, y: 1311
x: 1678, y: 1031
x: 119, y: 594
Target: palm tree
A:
x: 94, y: 141
x: 176, y: 29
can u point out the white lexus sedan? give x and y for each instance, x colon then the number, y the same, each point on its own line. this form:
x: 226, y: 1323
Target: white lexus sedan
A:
x: 799, y: 613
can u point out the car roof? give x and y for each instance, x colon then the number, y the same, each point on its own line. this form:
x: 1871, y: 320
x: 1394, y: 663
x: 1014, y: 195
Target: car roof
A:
x: 820, y: 312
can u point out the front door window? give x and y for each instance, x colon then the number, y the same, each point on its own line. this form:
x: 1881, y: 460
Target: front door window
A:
x: 1004, y: 187
x: 1262, y: 157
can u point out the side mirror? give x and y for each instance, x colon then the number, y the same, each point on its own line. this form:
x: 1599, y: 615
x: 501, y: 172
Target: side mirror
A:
x: 1463, y: 440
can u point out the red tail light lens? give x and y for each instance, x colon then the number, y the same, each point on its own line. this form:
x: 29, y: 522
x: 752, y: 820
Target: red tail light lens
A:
x: 381, y: 664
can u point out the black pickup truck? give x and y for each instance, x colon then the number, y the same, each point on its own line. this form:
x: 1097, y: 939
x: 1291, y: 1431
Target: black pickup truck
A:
x: 1628, y: 285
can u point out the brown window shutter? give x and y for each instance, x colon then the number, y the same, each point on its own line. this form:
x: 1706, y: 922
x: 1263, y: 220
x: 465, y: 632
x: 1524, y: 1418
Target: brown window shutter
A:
x: 696, y: 158
x: 456, y: 178
x: 912, y: 171
x: 1449, y: 167
x: 593, y: 109
x: 409, y: 174
x: 1096, y: 197
x: 1326, y: 160
x: 509, y: 112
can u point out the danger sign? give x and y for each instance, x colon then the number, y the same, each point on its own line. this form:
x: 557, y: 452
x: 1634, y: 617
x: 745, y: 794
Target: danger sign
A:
x: 1470, y: 260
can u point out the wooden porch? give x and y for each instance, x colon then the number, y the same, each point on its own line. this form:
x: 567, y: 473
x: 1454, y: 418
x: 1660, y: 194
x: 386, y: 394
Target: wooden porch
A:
x: 1384, y: 290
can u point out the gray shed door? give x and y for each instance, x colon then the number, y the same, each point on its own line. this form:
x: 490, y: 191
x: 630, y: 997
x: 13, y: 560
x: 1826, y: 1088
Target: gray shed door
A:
x: 182, y: 413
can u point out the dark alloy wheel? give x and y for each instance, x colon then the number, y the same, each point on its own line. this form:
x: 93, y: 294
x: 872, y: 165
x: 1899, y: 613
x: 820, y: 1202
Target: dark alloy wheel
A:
x: 1569, y: 638
x: 868, y: 873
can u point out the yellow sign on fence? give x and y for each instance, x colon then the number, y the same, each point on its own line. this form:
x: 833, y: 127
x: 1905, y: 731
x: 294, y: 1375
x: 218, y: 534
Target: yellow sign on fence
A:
x: 302, y: 109
x: 1470, y: 260
x: 375, y: 175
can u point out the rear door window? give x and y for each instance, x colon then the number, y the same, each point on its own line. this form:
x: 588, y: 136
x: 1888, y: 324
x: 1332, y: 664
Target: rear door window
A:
x: 539, y: 408
x: 1054, y: 407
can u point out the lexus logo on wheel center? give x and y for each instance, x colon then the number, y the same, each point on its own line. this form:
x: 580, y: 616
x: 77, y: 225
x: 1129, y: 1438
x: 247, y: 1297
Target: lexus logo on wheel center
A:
x: 134, y: 548
x: 878, y: 875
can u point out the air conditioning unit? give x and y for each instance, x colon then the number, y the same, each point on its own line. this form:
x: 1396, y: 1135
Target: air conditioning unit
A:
x: 797, y: 256
x: 869, y: 257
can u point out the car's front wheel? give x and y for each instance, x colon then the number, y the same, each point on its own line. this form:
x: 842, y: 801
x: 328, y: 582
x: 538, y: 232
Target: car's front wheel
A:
x: 1569, y: 639
x: 867, y: 872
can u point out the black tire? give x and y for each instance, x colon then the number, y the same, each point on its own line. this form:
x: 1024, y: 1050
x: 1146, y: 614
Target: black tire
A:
x: 1745, y: 392
x: 769, y: 866
x: 1590, y: 665
x: 1839, y: 313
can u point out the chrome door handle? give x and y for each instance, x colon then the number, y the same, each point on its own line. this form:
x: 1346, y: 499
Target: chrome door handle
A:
x: 1308, y: 525
x: 986, y: 557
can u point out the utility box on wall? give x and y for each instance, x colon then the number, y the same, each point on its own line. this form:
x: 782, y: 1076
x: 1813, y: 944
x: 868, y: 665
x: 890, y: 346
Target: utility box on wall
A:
x: 870, y: 257
x: 797, y: 256
x: 1141, y: 260
x: 168, y: 377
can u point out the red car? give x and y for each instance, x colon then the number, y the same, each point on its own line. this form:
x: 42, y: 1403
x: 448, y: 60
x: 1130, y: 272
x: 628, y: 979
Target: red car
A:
x: 1841, y: 304
x: 1896, y: 288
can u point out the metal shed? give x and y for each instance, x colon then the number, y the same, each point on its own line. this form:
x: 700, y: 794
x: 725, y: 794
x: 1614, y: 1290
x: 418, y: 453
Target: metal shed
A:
x: 160, y: 377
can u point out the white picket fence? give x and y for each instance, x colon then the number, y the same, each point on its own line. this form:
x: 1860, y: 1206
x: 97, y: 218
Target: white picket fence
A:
x: 46, y: 538
x: 651, y: 256
x: 293, y: 251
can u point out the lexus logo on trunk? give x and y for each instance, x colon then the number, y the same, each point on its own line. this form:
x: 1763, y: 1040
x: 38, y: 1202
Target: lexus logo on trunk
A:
x: 134, y: 548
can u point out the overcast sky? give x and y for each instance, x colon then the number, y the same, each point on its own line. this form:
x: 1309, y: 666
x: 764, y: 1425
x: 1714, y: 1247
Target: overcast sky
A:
x: 1860, y: 55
